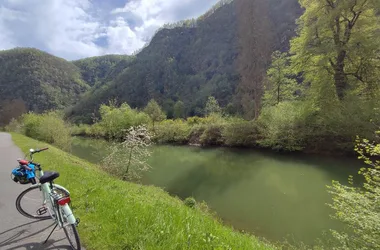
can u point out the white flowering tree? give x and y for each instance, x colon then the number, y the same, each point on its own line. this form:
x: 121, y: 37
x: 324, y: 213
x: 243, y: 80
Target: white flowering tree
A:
x: 128, y: 159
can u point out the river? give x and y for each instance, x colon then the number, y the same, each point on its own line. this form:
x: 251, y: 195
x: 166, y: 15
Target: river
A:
x: 272, y: 195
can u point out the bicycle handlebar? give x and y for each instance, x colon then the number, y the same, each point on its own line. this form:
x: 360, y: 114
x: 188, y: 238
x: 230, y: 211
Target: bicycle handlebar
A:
x: 39, y: 150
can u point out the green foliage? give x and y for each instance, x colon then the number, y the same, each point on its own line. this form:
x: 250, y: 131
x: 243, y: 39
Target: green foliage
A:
x: 172, y: 131
x: 190, y: 202
x: 95, y: 70
x: 281, y: 126
x: 154, y: 111
x: 212, y: 135
x: 359, y: 207
x: 48, y: 127
x: 37, y: 81
x: 81, y: 130
x: 241, y: 133
x: 123, y: 215
x: 338, y: 39
x: 212, y: 106
x: 179, y: 110
x: 115, y: 121
x: 281, y: 84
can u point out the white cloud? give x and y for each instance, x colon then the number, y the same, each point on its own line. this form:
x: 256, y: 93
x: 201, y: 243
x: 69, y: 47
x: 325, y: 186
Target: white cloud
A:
x: 72, y: 28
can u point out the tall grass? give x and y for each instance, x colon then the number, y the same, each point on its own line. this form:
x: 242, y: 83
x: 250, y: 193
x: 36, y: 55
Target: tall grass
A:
x: 121, y: 215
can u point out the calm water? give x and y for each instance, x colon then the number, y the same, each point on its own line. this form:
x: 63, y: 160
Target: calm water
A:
x: 271, y: 195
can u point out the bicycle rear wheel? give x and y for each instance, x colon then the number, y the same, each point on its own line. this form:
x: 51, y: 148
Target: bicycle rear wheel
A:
x: 71, y: 232
x: 31, y: 204
x: 72, y: 235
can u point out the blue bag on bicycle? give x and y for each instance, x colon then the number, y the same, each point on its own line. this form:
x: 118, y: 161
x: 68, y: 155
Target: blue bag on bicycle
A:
x: 23, y: 175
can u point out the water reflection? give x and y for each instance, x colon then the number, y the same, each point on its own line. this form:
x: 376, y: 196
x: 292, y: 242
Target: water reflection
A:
x: 269, y: 194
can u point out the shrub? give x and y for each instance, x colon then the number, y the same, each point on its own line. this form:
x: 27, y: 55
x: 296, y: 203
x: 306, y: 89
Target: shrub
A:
x: 190, y: 202
x: 115, y: 121
x: 195, y: 134
x: 241, y: 134
x: 80, y: 130
x: 359, y: 207
x: 14, y: 126
x: 282, y: 126
x: 212, y: 135
x: 172, y: 131
x: 48, y: 127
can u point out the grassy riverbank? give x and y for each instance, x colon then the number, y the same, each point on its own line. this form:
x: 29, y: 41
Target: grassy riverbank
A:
x: 121, y: 215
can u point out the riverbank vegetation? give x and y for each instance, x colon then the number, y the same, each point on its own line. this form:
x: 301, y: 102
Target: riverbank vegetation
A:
x: 123, y: 215
x: 359, y: 207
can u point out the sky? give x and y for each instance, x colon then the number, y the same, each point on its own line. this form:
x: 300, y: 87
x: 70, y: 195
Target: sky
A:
x: 75, y: 29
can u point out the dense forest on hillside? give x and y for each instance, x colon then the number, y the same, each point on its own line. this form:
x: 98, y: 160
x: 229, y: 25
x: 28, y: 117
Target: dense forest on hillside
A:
x: 100, y: 69
x: 34, y: 80
x: 189, y: 61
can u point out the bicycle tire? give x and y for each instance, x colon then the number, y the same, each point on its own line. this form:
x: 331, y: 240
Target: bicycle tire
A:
x: 24, y: 212
x: 76, y: 236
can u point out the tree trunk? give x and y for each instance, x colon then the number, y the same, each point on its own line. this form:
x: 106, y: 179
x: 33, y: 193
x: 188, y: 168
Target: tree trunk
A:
x: 340, y: 77
x: 129, y: 161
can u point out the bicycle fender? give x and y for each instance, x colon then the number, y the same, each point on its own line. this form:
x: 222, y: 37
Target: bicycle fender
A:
x: 69, y: 214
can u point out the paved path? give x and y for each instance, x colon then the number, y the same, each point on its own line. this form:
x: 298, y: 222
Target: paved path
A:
x: 17, y: 231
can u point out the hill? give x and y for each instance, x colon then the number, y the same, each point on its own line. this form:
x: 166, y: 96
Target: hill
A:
x: 189, y: 61
x: 32, y: 80
x: 95, y: 70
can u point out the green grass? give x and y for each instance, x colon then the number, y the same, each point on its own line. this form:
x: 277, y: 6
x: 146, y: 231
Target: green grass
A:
x: 121, y: 215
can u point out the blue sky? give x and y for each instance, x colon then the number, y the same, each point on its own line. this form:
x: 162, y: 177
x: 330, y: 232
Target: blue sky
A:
x: 75, y: 29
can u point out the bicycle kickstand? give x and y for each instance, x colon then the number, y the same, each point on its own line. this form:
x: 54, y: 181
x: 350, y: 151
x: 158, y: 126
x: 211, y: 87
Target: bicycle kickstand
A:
x: 51, y: 233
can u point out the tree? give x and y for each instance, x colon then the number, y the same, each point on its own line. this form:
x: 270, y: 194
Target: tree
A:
x: 212, y: 106
x: 11, y: 109
x: 281, y: 84
x: 359, y: 207
x: 128, y: 160
x: 154, y: 111
x: 255, y: 49
x: 179, y: 110
x: 339, y: 39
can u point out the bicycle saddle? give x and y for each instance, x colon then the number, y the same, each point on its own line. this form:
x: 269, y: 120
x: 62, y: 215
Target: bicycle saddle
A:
x: 48, y: 177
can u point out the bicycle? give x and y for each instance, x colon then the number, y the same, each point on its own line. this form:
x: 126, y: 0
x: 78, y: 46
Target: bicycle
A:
x: 54, y: 203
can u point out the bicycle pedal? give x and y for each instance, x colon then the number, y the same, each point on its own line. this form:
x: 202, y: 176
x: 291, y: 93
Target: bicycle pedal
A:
x: 42, y: 211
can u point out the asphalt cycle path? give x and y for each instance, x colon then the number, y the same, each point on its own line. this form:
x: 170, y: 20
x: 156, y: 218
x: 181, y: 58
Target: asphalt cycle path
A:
x: 17, y: 231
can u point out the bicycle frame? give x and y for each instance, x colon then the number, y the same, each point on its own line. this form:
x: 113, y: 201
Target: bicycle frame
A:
x: 46, y: 189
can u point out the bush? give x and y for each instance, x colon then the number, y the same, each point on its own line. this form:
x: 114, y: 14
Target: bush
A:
x: 172, y: 131
x: 48, y: 127
x: 241, y: 134
x: 80, y: 130
x: 359, y: 207
x: 14, y: 126
x: 195, y: 134
x: 115, y: 121
x: 282, y: 126
x: 190, y: 202
x: 212, y: 135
